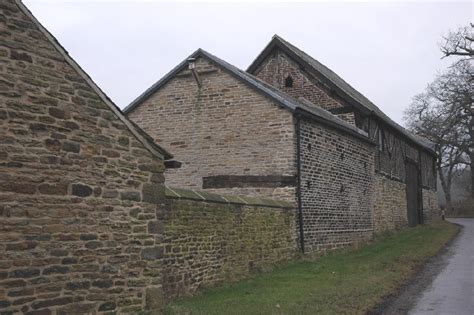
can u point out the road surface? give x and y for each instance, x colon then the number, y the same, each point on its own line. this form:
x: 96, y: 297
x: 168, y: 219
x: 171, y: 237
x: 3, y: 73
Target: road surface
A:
x: 452, y: 290
x: 445, y: 285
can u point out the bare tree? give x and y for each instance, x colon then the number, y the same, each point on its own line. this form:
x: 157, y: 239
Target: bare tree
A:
x: 443, y: 114
x: 459, y: 42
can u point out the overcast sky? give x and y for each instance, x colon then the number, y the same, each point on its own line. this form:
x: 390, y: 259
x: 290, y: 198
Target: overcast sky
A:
x: 388, y: 51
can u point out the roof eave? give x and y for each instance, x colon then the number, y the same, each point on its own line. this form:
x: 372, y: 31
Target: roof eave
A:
x: 309, y: 115
x: 292, y: 105
x: 421, y: 146
x: 152, y: 89
x: 279, y: 43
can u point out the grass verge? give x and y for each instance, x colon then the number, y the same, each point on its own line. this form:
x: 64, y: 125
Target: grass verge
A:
x: 350, y: 281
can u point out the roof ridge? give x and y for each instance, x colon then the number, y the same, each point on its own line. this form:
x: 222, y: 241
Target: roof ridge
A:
x: 140, y: 98
x: 337, y: 119
x: 261, y: 86
x: 338, y: 83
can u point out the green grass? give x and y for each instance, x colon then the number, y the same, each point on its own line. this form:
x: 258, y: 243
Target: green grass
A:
x: 350, y: 281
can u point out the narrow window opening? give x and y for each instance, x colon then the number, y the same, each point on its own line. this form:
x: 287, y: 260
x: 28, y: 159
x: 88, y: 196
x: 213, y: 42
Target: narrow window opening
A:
x: 289, y: 81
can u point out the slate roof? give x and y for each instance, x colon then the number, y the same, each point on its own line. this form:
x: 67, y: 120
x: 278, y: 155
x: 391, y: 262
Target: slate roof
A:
x: 295, y: 106
x: 346, y: 91
x: 139, y: 134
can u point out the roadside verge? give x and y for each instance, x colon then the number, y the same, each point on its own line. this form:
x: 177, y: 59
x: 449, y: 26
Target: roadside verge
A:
x: 353, y: 281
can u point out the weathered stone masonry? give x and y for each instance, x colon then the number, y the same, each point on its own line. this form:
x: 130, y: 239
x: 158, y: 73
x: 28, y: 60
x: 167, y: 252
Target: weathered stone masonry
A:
x: 212, y: 239
x: 337, y: 182
x: 86, y: 225
x: 79, y: 188
x: 223, y: 128
x: 278, y: 68
x: 261, y: 138
x: 280, y: 60
x: 341, y: 202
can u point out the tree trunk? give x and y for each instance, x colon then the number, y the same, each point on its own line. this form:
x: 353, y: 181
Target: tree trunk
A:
x: 472, y: 173
x: 471, y: 150
x: 447, y: 195
x: 446, y: 185
x: 449, y: 204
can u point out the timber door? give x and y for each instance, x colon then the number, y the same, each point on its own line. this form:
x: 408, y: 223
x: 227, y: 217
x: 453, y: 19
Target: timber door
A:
x: 413, y: 193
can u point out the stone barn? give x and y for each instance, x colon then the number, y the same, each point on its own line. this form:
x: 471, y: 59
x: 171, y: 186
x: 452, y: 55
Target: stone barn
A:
x: 87, y: 225
x: 290, y: 128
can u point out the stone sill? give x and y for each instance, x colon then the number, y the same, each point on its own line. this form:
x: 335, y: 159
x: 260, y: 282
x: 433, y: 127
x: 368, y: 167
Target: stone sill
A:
x: 179, y: 193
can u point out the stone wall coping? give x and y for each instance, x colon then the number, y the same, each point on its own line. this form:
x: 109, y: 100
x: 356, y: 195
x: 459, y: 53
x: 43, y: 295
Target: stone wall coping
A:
x: 199, y: 195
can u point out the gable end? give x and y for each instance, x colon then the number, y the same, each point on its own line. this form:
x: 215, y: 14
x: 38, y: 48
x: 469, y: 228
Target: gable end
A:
x: 139, y: 134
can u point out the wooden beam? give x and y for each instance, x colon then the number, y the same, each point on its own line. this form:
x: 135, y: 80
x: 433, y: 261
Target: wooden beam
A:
x: 342, y: 110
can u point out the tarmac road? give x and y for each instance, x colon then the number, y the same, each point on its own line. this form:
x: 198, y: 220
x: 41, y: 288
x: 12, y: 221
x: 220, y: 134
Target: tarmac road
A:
x: 452, y: 290
x: 445, y: 285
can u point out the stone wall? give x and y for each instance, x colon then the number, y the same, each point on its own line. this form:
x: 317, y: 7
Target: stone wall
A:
x: 78, y: 190
x: 431, y: 209
x: 278, y: 67
x: 224, y: 128
x: 212, y: 239
x: 337, y: 184
x: 390, y: 210
x: 85, y: 226
x: 394, y: 149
